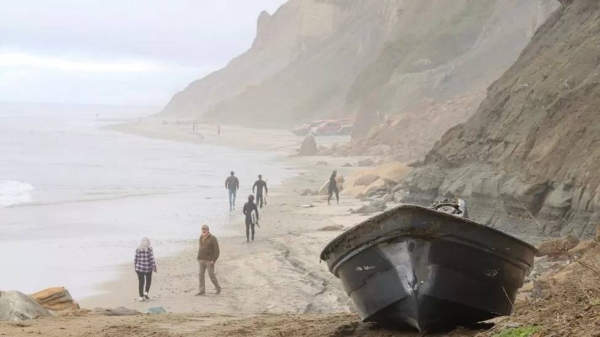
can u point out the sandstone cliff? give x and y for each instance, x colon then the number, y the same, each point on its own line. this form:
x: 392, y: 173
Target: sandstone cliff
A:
x: 531, y: 150
x: 300, y: 66
x: 272, y: 50
x: 325, y: 58
x: 432, y: 81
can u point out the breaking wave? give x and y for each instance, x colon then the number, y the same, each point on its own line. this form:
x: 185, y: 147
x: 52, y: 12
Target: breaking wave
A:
x: 14, y: 193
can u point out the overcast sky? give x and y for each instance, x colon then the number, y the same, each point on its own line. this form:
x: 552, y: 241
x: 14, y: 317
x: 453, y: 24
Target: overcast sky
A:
x: 121, y: 52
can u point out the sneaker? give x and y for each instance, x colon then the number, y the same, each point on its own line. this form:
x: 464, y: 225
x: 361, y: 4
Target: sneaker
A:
x: 218, y: 291
x: 202, y: 293
x: 142, y: 299
x: 146, y: 296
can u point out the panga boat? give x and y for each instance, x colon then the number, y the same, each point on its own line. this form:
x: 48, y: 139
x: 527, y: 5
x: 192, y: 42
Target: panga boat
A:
x: 428, y: 269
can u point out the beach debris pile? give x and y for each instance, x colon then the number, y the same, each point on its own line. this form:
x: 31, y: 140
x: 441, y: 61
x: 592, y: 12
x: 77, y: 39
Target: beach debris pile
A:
x: 378, y: 186
x: 377, y: 182
x: 562, y: 295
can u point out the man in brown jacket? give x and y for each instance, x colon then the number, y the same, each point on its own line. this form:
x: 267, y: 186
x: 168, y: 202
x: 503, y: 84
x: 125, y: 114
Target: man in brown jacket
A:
x: 208, y: 253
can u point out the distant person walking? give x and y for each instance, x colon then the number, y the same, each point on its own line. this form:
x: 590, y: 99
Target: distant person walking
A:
x: 219, y: 130
x: 250, y: 207
x: 259, y: 185
x: 333, y: 188
x: 232, y: 184
x: 144, y: 266
x: 208, y: 253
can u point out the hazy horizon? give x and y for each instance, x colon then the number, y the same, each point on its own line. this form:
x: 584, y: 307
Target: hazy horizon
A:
x: 138, y: 53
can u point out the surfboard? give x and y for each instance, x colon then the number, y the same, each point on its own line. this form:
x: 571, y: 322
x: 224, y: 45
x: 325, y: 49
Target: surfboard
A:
x: 253, y: 215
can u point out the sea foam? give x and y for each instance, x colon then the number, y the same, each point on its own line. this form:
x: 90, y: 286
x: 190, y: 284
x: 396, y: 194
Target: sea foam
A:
x: 14, y: 193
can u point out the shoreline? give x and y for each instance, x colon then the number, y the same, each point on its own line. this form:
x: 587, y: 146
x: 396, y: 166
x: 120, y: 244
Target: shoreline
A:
x: 231, y: 136
x: 279, y: 272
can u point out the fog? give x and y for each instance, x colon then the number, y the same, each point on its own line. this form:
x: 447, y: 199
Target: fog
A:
x: 118, y: 52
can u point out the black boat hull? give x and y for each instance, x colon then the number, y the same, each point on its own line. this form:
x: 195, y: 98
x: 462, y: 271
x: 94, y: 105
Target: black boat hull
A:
x: 430, y: 270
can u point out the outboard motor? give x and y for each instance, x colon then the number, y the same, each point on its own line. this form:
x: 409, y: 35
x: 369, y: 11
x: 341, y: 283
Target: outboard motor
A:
x: 454, y: 206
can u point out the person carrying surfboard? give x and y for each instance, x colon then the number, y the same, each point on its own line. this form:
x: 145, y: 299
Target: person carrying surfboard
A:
x: 251, y: 212
x: 259, y: 186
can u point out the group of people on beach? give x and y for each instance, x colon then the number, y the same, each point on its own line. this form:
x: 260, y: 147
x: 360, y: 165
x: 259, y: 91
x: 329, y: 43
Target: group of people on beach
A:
x: 208, y: 245
x: 250, y: 210
x: 208, y: 253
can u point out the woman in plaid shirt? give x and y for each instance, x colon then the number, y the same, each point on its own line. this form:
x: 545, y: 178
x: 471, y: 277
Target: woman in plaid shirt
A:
x: 144, y: 266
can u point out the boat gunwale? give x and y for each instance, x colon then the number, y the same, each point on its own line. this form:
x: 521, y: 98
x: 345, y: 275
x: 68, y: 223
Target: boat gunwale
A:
x: 337, y: 264
x: 329, y: 248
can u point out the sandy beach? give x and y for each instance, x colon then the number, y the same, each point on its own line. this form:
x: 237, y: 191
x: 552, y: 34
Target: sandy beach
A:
x: 280, y: 271
x: 277, y: 275
x: 273, y: 286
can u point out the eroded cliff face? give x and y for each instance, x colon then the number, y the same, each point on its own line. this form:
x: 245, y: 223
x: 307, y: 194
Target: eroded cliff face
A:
x: 290, y: 66
x: 456, y: 60
x: 280, y: 39
x: 531, y: 150
x: 336, y: 40
x: 332, y: 58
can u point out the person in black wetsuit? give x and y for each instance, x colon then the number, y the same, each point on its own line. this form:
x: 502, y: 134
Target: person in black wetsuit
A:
x: 259, y: 185
x: 333, y: 188
x: 248, y: 208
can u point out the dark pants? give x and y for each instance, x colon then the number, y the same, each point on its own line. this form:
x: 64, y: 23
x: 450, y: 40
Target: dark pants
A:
x: 249, y: 225
x: 337, y: 194
x: 259, y: 200
x: 141, y: 277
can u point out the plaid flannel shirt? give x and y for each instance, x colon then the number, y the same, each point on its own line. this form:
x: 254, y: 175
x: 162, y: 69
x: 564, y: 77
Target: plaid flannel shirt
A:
x: 144, y: 260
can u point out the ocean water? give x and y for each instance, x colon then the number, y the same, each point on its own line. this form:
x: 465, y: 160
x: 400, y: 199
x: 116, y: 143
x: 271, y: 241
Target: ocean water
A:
x: 75, y: 199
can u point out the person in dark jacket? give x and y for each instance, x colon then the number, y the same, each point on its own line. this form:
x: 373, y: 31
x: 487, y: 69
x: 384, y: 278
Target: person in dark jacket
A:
x: 333, y: 188
x: 249, y: 207
x: 260, y: 185
x: 144, y: 266
x: 232, y: 184
x: 208, y: 253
